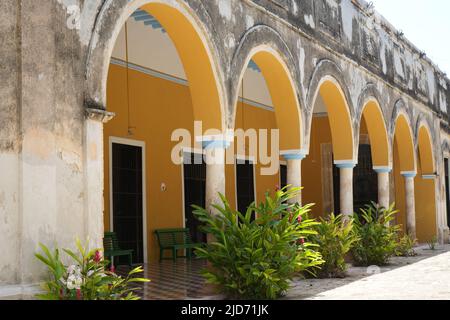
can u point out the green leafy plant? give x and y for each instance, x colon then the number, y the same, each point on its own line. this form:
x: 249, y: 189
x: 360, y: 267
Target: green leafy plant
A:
x: 335, y: 237
x: 377, y: 235
x: 256, y: 258
x: 405, y: 247
x: 432, y: 244
x: 86, y: 277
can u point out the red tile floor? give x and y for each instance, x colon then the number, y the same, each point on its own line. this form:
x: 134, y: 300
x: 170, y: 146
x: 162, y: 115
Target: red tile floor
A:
x: 173, y: 280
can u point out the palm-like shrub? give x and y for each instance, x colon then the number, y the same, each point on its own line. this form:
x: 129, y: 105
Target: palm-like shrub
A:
x: 256, y: 258
x: 86, y: 277
x: 335, y: 238
x: 377, y: 235
x: 405, y: 247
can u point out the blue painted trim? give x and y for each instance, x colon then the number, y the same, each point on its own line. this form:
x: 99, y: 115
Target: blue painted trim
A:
x: 184, y: 82
x: 409, y: 174
x: 345, y: 165
x: 294, y: 156
x: 216, y: 144
x: 150, y: 72
x: 429, y: 176
x: 149, y: 20
x: 256, y: 104
x: 139, y: 12
x: 382, y: 170
x: 253, y: 66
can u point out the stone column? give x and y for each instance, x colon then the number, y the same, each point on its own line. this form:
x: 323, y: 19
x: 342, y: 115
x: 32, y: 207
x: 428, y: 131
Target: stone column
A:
x: 294, y: 171
x: 214, y: 147
x: 410, y: 203
x: 346, y: 186
x: 383, y: 186
x: 94, y: 175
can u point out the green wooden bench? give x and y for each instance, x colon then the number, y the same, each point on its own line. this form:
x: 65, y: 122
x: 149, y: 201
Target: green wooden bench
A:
x: 112, y: 248
x: 174, y: 240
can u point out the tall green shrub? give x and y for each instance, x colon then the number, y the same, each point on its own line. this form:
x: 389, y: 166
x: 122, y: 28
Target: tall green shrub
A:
x: 335, y: 237
x: 255, y: 259
x: 377, y: 235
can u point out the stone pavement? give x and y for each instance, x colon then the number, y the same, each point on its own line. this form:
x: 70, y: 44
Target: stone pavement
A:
x: 426, y: 276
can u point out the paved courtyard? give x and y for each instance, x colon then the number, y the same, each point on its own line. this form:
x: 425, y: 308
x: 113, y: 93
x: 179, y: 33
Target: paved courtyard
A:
x: 426, y: 276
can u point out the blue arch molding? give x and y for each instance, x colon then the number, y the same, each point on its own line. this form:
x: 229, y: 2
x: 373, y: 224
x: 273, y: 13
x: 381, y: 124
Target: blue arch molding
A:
x: 253, y: 66
x: 147, y: 19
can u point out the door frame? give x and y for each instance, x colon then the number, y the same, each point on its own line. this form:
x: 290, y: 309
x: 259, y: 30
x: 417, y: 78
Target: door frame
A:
x: 134, y: 143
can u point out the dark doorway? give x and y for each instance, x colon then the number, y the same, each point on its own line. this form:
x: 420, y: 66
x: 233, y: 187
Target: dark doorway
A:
x: 283, y: 176
x: 447, y: 190
x: 245, y: 187
x: 365, y: 181
x: 194, y: 192
x: 127, y: 198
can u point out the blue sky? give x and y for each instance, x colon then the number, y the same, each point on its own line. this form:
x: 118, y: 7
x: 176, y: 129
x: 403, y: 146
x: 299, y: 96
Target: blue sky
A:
x: 426, y: 23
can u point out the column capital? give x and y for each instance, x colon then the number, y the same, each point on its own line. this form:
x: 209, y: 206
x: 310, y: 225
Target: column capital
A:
x: 382, y: 169
x: 409, y: 174
x: 220, y: 141
x: 429, y: 176
x: 99, y: 115
x: 345, y: 164
x: 293, y: 154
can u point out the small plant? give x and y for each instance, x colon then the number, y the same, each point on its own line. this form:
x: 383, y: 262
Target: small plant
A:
x: 256, y: 258
x: 405, y: 247
x: 86, y: 278
x: 335, y: 237
x: 377, y: 236
x: 432, y: 244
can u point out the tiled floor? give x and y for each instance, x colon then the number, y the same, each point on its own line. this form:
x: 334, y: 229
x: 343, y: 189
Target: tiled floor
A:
x: 173, y: 280
x: 425, y: 276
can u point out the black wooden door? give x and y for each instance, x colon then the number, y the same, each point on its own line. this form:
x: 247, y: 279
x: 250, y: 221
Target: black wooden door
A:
x: 283, y: 176
x: 365, y: 181
x: 127, y: 198
x: 194, y: 192
x: 245, y: 186
x: 447, y: 190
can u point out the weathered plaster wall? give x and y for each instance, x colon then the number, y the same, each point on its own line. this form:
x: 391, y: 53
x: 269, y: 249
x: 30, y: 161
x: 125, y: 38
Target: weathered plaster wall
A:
x: 10, y: 90
x: 54, y: 61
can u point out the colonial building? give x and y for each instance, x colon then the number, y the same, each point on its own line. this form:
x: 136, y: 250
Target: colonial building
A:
x: 99, y: 98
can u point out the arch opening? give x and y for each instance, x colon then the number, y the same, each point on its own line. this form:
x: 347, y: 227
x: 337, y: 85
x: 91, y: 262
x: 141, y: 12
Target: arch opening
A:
x: 373, y: 119
x: 403, y: 163
x: 267, y: 101
x: 161, y: 80
x: 425, y: 188
x: 331, y: 142
x: 373, y: 155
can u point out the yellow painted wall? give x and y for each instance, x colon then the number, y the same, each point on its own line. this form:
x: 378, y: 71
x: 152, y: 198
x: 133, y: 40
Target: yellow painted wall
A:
x: 312, y: 166
x: 399, y: 182
x: 248, y: 117
x: 157, y: 107
x: 425, y: 207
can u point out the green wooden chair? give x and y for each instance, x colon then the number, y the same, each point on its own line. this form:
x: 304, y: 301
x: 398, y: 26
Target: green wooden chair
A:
x: 112, y: 248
